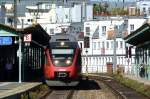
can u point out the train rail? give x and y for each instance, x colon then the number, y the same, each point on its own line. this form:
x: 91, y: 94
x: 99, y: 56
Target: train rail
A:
x: 121, y: 91
x: 96, y: 87
x: 59, y: 94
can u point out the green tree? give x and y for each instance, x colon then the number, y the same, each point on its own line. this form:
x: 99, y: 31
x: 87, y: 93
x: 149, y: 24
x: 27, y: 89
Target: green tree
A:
x: 105, y: 7
x: 119, y: 11
x: 100, y: 7
x: 97, y: 8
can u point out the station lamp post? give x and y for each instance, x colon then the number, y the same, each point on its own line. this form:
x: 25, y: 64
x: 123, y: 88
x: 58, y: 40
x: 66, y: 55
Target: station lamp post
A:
x: 20, y: 57
x: 19, y: 53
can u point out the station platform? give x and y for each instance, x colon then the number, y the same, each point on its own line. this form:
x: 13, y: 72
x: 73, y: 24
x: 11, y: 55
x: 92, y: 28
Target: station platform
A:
x: 10, y: 90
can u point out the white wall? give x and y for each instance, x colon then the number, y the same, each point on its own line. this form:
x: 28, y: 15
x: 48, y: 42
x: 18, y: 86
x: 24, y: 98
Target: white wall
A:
x: 136, y: 22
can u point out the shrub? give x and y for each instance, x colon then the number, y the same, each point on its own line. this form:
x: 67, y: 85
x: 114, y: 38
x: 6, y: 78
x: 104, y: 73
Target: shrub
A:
x: 139, y: 87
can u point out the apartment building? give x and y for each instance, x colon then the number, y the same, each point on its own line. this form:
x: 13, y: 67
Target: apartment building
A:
x: 143, y: 7
x: 101, y: 48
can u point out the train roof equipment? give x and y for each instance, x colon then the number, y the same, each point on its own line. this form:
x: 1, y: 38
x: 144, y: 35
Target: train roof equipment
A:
x: 63, y: 37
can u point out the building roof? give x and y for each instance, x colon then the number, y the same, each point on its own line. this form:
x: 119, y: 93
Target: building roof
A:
x: 139, y: 36
x: 39, y: 35
x: 6, y: 30
x: 96, y: 33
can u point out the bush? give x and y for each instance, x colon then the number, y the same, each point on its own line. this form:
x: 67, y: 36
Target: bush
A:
x: 139, y: 87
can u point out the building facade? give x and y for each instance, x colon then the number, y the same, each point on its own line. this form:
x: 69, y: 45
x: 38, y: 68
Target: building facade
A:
x: 101, y: 48
x: 143, y: 7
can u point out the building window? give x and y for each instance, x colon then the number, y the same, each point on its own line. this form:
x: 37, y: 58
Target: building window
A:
x: 149, y: 10
x: 112, y: 44
x: 99, y: 45
x: 144, y: 10
x: 103, y: 44
x: 121, y: 44
x: 93, y: 61
x: 66, y: 16
x: 103, y: 48
x: 132, y: 27
x: 89, y: 61
x: 87, y: 30
x: 47, y: 6
x: 107, y: 44
x: 97, y: 61
x: 103, y: 30
x: 51, y: 31
x: 81, y: 45
x: 94, y: 45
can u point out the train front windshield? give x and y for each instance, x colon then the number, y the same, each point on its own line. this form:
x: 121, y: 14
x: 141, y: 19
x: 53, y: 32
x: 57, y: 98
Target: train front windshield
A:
x: 62, y: 57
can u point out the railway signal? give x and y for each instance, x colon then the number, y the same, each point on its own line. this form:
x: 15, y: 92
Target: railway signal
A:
x: 86, y: 42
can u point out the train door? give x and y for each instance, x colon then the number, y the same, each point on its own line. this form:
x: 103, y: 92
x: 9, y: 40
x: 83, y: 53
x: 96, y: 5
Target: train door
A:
x: 8, y: 62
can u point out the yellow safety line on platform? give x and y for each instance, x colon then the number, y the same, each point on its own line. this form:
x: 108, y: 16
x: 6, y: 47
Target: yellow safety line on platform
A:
x: 19, y: 89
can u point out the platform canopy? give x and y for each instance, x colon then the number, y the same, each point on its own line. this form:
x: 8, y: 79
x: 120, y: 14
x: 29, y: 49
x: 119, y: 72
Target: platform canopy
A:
x: 39, y: 35
x: 7, y: 30
x: 139, y: 36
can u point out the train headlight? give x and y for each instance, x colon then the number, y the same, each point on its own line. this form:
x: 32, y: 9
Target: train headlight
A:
x: 62, y: 43
x: 68, y: 62
x: 56, y: 62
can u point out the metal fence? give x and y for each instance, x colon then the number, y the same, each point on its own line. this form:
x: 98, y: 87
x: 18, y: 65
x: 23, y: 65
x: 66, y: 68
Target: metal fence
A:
x: 98, y: 64
x: 32, y: 63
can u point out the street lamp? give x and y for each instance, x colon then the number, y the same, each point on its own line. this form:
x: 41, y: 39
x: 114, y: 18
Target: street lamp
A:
x: 19, y: 55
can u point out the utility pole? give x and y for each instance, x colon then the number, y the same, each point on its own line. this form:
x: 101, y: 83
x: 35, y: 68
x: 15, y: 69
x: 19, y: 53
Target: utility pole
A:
x: 15, y: 13
x: 114, y: 57
x: 83, y: 11
x: 116, y: 28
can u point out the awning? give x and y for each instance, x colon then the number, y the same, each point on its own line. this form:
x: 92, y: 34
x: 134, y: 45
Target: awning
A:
x: 39, y: 35
x: 7, y: 31
x: 139, y: 36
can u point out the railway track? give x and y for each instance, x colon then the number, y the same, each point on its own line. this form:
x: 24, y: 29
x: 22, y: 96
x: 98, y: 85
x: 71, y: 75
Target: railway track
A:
x: 97, y: 87
x: 121, y: 91
x: 59, y: 94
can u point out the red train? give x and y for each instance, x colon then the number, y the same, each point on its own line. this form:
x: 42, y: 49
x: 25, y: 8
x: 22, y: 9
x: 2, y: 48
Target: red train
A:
x: 62, y: 61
